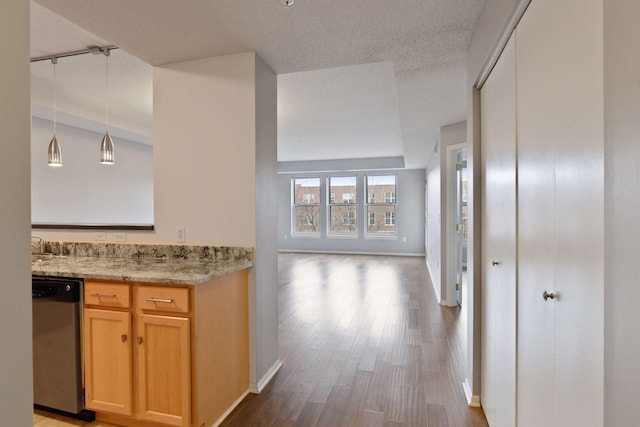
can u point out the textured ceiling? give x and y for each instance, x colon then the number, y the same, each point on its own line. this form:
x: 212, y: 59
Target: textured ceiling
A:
x: 422, y: 42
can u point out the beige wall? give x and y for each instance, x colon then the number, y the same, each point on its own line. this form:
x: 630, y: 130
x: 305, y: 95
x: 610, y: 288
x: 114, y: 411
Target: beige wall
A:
x: 16, y: 383
x: 204, y: 134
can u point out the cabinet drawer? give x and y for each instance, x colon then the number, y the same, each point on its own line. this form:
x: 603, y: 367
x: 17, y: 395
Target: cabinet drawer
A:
x: 174, y: 300
x: 107, y: 294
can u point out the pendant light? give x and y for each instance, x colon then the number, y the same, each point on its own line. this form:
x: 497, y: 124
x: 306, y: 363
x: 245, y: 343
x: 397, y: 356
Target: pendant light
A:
x: 106, y: 147
x: 55, y: 152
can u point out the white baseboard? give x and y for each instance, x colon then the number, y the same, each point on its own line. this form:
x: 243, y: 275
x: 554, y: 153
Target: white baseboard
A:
x: 305, y: 251
x: 472, y: 400
x: 230, y: 409
x: 266, y: 378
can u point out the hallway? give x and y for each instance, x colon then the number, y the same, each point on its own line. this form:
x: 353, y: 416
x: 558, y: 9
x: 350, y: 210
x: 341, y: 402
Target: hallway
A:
x: 363, y: 343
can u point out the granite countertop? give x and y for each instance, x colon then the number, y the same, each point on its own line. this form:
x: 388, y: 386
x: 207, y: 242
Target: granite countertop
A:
x: 156, y: 270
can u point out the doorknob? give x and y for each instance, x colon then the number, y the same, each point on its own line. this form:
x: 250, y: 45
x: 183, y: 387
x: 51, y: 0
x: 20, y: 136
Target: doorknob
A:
x: 494, y: 262
x: 546, y: 295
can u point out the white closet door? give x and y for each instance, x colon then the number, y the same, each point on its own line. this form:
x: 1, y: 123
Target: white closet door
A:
x: 560, y: 213
x: 498, y: 177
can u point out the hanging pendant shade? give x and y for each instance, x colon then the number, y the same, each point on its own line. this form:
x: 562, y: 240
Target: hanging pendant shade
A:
x: 107, y: 154
x: 106, y: 150
x: 55, y: 152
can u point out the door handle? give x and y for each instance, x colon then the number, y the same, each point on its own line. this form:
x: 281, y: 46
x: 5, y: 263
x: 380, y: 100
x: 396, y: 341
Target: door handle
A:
x: 548, y: 295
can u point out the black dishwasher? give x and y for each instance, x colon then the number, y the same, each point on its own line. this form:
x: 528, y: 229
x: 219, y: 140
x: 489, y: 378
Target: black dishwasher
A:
x: 57, y: 361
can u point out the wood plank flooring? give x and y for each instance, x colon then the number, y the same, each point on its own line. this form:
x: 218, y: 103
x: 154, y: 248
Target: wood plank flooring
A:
x: 363, y: 342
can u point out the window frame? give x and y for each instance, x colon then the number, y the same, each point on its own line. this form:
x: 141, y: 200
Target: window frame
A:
x: 316, y: 204
x: 372, y: 203
x: 351, y: 203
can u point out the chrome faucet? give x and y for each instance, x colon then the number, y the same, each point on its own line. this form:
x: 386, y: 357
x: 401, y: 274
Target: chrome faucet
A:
x: 39, y: 244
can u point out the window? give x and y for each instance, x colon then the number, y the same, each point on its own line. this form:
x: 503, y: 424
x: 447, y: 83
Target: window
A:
x: 348, y: 198
x: 389, y: 218
x: 390, y: 197
x: 381, y: 205
x: 348, y: 218
x: 306, y: 209
x: 343, y: 205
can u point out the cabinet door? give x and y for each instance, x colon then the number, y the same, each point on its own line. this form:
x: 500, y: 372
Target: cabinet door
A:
x: 165, y: 369
x: 498, y: 169
x: 107, y: 358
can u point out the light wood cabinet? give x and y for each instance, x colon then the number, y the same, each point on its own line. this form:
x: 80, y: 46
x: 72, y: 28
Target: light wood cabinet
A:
x: 108, y: 364
x: 164, y: 369
x: 169, y: 355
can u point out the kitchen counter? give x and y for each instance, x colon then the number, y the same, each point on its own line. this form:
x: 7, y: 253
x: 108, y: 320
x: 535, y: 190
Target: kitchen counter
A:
x: 167, y: 270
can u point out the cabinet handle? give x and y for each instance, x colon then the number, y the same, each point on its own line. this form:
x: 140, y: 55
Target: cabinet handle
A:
x: 123, y: 337
x: 548, y: 295
x: 494, y: 262
x: 114, y: 296
x: 167, y: 301
x: 139, y: 340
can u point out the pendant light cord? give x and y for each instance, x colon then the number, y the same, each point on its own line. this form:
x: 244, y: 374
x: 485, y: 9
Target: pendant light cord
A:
x: 54, y: 61
x: 106, y: 84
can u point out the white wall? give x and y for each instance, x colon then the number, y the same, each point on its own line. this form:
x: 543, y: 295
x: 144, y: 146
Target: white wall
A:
x: 434, y: 220
x: 264, y: 293
x: 622, y: 205
x: 16, y: 374
x: 450, y: 135
x: 409, y: 216
x: 212, y: 118
x: 83, y: 191
x: 437, y: 212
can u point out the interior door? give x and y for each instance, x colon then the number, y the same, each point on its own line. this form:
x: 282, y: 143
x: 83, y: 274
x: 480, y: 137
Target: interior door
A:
x: 461, y: 224
x: 560, y: 164
x: 498, y: 181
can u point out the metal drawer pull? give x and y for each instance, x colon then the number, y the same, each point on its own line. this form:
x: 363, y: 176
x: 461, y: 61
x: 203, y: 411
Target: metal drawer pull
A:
x: 114, y: 296
x: 546, y: 295
x: 123, y: 337
x: 168, y: 301
x: 494, y: 262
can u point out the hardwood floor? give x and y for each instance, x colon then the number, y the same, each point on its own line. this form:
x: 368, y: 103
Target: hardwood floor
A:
x: 47, y: 419
x: 363, y: 343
